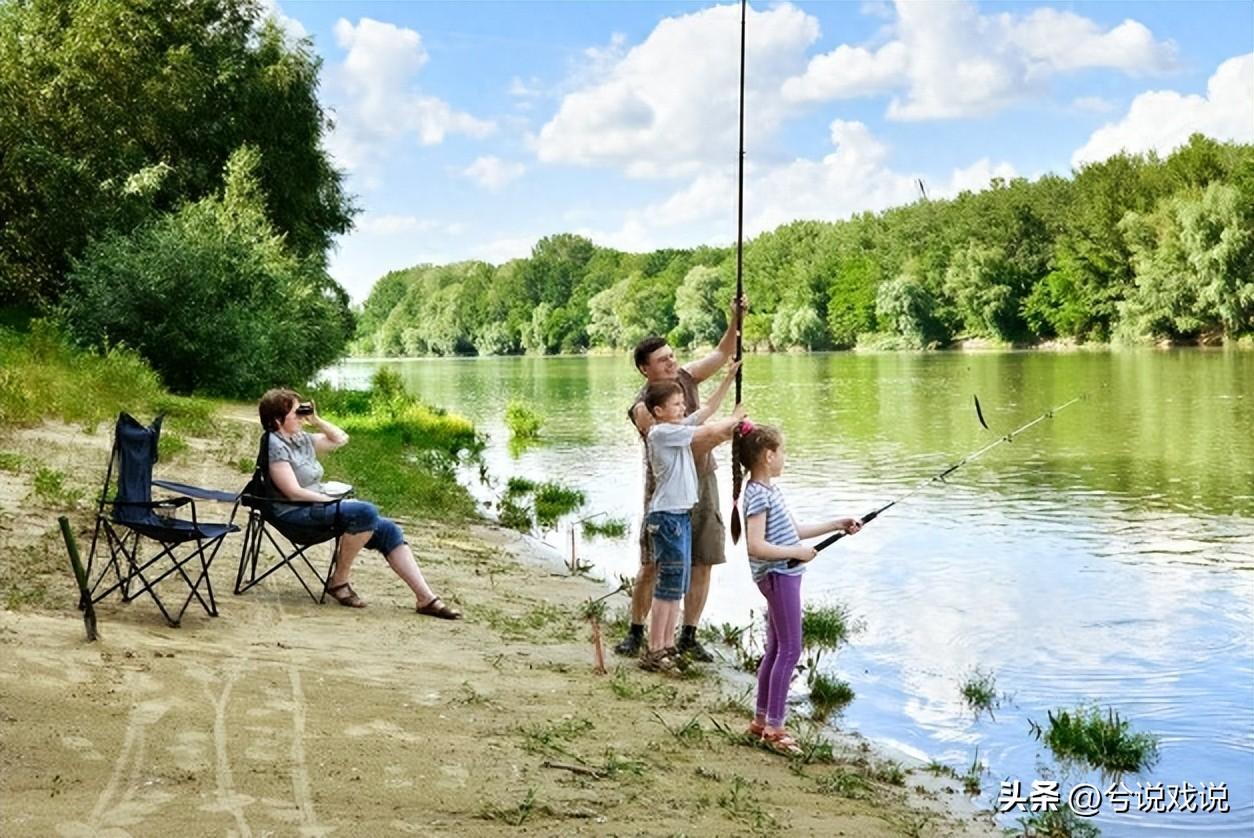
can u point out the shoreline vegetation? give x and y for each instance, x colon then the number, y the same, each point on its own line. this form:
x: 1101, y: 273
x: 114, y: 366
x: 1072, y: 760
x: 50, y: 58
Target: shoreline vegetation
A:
x: 1136, y: 249
x: 273, y: 714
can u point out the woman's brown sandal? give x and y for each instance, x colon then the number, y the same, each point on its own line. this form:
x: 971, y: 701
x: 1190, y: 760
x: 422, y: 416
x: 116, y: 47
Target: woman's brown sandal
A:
x: 346, y: 596
x: 437, y: 608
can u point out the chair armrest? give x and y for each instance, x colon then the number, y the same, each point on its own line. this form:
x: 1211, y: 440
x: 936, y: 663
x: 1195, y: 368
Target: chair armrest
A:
x: 170, y: 503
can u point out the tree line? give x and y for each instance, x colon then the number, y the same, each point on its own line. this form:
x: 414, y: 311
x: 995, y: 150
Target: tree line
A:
x: 1133, y: 248
x: 163, y: 186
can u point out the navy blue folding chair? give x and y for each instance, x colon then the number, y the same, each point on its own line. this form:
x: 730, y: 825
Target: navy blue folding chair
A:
x: 128, y: 517
x: 264, y: 502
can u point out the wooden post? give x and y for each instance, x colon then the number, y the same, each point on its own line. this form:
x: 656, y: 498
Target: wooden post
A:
x: 80, y: 576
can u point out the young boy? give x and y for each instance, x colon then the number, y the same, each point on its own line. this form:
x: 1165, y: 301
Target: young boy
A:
x: 671, y: 445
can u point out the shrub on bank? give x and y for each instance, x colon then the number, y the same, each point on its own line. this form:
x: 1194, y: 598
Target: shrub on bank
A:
x: 211, y: 296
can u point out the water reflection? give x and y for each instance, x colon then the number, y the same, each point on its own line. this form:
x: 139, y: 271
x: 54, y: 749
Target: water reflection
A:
x: 1104, y: 556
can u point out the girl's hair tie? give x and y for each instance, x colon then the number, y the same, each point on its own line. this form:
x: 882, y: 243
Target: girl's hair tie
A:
x: 745, y: 427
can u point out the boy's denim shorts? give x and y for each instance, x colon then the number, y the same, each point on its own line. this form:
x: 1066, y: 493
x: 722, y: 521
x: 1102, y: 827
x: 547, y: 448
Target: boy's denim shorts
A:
x: 670, y: 535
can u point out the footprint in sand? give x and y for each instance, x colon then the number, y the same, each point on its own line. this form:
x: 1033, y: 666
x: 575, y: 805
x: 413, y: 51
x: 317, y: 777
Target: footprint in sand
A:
x: 455, y: 777
x: 381, y: 727
x: 85, y: 748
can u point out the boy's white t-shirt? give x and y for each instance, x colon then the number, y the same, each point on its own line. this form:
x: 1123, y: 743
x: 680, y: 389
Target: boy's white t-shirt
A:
x: 674, y: 470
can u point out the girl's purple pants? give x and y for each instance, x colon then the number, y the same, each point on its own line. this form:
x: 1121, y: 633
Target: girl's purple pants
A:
x: 783, y: 644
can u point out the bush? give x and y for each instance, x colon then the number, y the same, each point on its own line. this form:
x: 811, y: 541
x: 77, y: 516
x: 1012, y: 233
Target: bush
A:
x: 522, y: 420
x: 211, y: 296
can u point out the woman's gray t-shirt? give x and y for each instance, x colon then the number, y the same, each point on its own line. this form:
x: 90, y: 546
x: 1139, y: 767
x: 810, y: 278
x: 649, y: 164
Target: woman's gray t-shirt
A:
x: 299, y: 452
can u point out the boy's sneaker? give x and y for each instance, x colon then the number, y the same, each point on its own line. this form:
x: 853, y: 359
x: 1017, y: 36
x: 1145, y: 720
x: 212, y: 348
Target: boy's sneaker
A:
x: 690, y: 647
x: 659, y: 661
x: 630, y: 645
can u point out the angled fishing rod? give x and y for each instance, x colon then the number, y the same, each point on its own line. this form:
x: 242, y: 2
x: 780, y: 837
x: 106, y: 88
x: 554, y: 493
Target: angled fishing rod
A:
x: 940, y: 476
x: 737, y: 473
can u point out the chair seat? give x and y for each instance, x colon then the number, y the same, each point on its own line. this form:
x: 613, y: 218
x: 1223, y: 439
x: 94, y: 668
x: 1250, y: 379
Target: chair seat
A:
x: 178, y: 530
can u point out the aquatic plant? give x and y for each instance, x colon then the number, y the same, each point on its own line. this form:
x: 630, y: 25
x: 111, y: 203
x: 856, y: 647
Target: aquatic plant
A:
x: 979, y: 691
x: 606, y: 528
x: 523, y: 420
x: 828, y: 694
x: 1104, y: 741
x: 826, y: 627
x: 971, y: 779
x: 1058, y: 823
x: 527, y: 503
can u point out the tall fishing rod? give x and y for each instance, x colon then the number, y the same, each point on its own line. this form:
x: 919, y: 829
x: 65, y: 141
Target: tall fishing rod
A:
x: 940, y: 477
x: 737, y: 473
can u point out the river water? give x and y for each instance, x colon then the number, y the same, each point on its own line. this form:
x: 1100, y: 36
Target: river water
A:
x: 1104, y: 557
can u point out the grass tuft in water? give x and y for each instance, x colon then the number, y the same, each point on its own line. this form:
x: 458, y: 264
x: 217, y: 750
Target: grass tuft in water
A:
x: 523, y: 420
x: 828, y: 695
x: 1059, y: 823
x: 607, y: 528
x: 527, y: 503
x: 979, y: 691
x: 1104, y: 741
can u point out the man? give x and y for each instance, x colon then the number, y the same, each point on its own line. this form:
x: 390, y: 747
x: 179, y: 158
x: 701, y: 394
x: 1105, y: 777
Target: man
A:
x: 656, y: 362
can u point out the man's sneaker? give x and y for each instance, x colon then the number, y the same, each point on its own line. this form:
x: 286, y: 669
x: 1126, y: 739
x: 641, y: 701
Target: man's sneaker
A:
x: 692, y: 648
x: 630, y: 645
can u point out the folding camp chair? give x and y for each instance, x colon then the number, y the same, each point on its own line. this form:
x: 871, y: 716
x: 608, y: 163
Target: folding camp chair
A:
x: 133, y: 516
x: 263, y: 502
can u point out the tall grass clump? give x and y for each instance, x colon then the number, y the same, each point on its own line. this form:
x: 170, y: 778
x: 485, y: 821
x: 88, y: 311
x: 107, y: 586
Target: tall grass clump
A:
x: 607, y: 528
x: 1104, y: 741
x: 825, y: 628
x: 404, y: 453
x: 42, y: 376
x: 523, y: 420
x: 527, y: 503
x: 979, y: 691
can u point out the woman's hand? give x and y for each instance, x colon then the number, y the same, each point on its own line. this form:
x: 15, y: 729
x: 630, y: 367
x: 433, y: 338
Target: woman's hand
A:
x: 804, y: 552
x: 849, y: 525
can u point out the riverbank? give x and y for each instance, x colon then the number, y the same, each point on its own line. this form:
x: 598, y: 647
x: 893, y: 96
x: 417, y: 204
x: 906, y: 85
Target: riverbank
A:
x: 283, y: 716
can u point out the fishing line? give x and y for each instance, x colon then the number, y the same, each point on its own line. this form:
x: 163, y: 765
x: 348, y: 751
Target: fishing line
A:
x: 940, y: 476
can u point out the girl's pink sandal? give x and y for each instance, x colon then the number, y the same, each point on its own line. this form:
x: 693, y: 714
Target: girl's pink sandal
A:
x: 781, y: 743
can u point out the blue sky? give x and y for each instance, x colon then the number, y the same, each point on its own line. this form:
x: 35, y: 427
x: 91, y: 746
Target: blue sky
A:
x: 472, y: 129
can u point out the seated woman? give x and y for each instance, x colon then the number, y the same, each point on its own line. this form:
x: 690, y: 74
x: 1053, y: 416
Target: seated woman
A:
x: 296, y: 474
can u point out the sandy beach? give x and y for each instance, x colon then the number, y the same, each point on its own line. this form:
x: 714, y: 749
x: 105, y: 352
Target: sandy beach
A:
x: 285, y: 717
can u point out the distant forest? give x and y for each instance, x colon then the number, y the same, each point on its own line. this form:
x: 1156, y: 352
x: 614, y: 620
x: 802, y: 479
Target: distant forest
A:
x: 1133, y: 249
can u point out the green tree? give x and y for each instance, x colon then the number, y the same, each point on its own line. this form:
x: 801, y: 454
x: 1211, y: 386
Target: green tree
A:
x: 211, y: 296
x: 113, y: 111
x: 986, y: 289
x: 851, y: 300
x: 699, y: 308
x: 1194, y: 261
x: 906, y: 306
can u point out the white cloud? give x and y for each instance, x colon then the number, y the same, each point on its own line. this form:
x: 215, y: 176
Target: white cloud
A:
x: 376, y: 99
x: 847, y: 72
x: 946, y: 60
x: 493, y: 173
x: 394, y: 225
x: 669, y: 105
x: 1093, y: 104
x: 1161, y: 120
x: 855, y: 177
x: 294, y: 28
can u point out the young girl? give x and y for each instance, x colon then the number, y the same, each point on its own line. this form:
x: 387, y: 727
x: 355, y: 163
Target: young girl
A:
x: 774, y: 538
